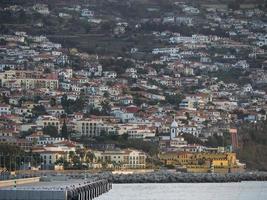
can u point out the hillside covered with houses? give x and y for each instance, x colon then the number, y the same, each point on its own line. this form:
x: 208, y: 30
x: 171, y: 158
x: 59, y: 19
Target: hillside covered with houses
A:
x: 133, y: 85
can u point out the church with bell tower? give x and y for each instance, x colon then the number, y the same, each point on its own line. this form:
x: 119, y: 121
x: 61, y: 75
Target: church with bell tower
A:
x: 174, y: 129
x: 174, y: 140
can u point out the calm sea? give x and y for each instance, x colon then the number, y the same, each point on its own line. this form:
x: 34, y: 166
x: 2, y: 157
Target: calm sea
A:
x: 188, y: 191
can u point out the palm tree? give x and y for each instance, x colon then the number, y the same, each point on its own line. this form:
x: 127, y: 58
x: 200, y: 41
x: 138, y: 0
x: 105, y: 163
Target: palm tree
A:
x: 71, y: 155
x: 90, y: 156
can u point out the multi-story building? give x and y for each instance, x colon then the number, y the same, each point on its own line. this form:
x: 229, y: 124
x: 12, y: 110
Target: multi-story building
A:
x: 140, y: 133
x: 202, y: 162
x: 28, y: 80
x: 49, y: 158
x: 127, y: 158
x: 50, y: 154
x: 48, y: 120
x: 90, y: 127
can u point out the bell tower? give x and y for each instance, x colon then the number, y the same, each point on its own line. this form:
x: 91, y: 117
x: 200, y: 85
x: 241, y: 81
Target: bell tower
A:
x: 174, y: 127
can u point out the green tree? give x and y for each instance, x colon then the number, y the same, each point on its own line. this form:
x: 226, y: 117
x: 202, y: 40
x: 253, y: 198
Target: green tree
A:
x: 215, y: 141
x: 51, y: 130
x: 192, y: 139
x: 90, y: 156
x: 4, y: 99
x: 2, y: 42
x: 36, y: 99
x: 235, y: 4
x: 106, y: 108
x: 174, y: 99
x: 122, y: 141
x: 64, y: 130
x: 62, y: 161
x: 53, y: 102
x: 76, y: 161
x: 71, y: 106
x: 11, y: 157
x: 38, y: 110
x: 23, y: 134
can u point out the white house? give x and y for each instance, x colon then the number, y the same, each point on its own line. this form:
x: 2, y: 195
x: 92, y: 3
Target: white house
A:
x: 5, y: 109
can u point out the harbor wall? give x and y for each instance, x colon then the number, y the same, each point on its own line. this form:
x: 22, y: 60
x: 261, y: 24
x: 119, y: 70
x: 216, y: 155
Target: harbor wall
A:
x: 8, y: 183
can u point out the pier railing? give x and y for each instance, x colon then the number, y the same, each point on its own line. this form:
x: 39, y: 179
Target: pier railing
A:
x: 88, y: 191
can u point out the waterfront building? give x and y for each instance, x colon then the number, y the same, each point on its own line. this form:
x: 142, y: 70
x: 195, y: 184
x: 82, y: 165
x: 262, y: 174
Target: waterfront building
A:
x: 202, y: 162
x: 128, y: 158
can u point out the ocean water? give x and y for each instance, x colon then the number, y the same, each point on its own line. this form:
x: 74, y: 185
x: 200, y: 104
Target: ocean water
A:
x: 188, y: 191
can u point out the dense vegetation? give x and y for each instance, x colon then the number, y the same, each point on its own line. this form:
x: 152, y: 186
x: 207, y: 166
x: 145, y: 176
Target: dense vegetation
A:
x: 122, y: 141
x: 253, y: 145
x: 12, y: 157
x: 233, y: 75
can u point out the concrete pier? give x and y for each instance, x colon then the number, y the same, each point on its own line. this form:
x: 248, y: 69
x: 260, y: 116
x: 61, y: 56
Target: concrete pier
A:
x: 61, y: 190
x: 21, y: 181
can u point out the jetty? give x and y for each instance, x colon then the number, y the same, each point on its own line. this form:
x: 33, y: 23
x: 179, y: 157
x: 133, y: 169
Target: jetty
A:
x: 56, y: 190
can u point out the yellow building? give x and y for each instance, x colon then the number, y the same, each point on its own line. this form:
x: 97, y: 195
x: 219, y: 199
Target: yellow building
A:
x: 28, y: 79
x: 220, y: 163
x: 176, y: 158
x: 48, y: 120
x: 201, y: 162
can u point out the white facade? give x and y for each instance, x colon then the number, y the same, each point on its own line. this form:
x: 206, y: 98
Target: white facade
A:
x: 174, y: 129
x: 5, y: 109
x: 90, y: 127
x: 127, y: 158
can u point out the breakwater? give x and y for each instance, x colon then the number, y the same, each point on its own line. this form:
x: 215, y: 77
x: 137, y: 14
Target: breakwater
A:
x: 177, y: 177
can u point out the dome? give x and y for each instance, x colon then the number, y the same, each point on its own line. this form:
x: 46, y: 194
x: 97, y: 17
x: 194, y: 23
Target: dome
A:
x: 174, y: 124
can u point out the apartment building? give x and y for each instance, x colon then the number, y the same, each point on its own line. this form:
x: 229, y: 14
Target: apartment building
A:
x: 90, y: 127
x: 28, y: 80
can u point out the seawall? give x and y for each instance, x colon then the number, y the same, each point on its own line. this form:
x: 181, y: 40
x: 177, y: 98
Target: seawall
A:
x: 177, y: 177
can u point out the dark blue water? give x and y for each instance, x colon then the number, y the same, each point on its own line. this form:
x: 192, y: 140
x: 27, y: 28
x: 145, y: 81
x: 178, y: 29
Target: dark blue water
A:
x: 188, y: 191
